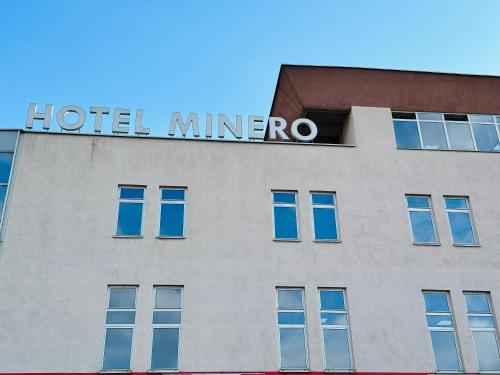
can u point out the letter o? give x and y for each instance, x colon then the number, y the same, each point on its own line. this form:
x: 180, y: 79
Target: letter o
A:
x: 70, y: 109
x: 312, y: 128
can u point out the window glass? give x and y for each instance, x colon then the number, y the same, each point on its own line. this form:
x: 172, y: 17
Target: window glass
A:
x: 5, y: 166
x: 433, y: 136
x: 117, y: 348
x: 481, y: 321
x: 165, y: 348
x: 122, y: 298
x: 291, y: 318
x: 3, y: 192
x: 172, y: 194
x: 487, y: 350
x: 290, y: 299
x: 325, y: 224
x: 172, y: 220
x: 332, y: 299
x: 166, y: 317
x: 421, y: 220
x: 459, y: 136
x: 456, y: 203
x: 285, y: 223
x: 486, y: 137
x: 407, y: 134
x: 436, y: 302
x: 432, y: 116
x: 325, y: 199
x: 333, y: 318
x: 284, y: 197
x: 8, y: 140
x: 477, y: 303
x: 459, y: 219
x: 445, y: 352
x: 480, y: 118
x: 336, y: 342
x: 120, y: 317
x: 418, y: 202
x: 129, y: 219
x: 168, y: 298
x: 132, y: 193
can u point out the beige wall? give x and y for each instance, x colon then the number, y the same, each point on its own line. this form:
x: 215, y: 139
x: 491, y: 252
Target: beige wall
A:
x: 59, y: 255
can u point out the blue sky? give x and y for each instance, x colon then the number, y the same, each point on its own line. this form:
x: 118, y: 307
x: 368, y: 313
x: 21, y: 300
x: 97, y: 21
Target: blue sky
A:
x: 221, y: 56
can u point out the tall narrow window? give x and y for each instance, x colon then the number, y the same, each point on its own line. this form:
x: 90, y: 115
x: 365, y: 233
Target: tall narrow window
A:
x: 292, y: 329
x: 172, y: 212
x: 120, y: 320
x: 285, y: 215
x: 324, y: 216
x: 166, y: 328
x: 130, y: 211
x: 8, y: 141
x: 335, y: 329
x: 442, y: 331
x: 484, y: 333
x: 459, y: 218
x: 421, y: 219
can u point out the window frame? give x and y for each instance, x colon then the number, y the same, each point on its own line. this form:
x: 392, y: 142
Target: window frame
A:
x: 297, y: 216
x: 333, y: 206
x: 164, y: 325
x: 476, y: 329
x: 303, y: 326
x: 433, y: 219
x: 336, y: 327
x: 452, y: 329
x: 118, y: 326
x: 163, y: 201
x: 471, y: 219
x: 128, y: 200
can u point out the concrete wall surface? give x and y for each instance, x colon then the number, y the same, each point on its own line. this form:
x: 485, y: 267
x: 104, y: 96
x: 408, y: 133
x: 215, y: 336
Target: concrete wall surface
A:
x: 59, y: 254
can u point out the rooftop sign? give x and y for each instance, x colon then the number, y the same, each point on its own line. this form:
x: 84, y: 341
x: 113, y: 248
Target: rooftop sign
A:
x: 125, y: 121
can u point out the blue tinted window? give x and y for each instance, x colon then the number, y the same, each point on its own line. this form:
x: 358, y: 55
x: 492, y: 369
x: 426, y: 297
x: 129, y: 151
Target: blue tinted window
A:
x: 480, y: 118
x: 477, y: 303
x: 293, y: 348
x: 436, y: 302
x: 486, y: 137
x: 129, y: 219
x: 336, y: 343
x: 456, y: 203
x: 131, y: 193
x: 418, y: 202
x: 422, y: 227
x: 5, y: 166
x: 284, y: 198
x: 166, y: 317
x: 290, y: 299
x: 172, y: 220
x: 120, y: 317
x: 285, y: 223
x: 445, y: 350
x: 325, y: 199
x: 3, y: 192
x: 122, y: 298
x: 433, y: 116
x: 332, y: 300
x: 459, y: 136
x: 172, y: 194
x: 325, y: 224
x: 433, y: 136
x: 333, y: 319
x: 168, y: 298
x: 407, y: 134
x: 117, y: 348
x: 461, y: 228
x: 165, y: 348
x: 291, y: 318
x: 488, y: 356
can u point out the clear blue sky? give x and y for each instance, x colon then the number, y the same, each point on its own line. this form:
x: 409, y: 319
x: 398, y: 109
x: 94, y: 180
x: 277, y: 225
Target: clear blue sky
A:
x: 221, y: 56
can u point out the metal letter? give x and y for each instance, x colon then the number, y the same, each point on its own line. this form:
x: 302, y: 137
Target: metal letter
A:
x: 274, y: 129
x: 99, y: 111
x: 61, y: 121
x: 208, y: 125
x: 34, y: 115
x: 255, y: 127
x: 138, y: 123
x: 223, y: 121
x: 118, y: 119
x: 184, y: 126
x: 312, y: 128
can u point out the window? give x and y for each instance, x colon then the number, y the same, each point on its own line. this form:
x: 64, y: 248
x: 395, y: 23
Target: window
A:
x: 292, y: 329
x: 460, y: 221
x: 446, y: 131
x: 442, y: 331
x: 421, y: 219
x: 130, y: 211
x: 172, y: 212
x: 324, y: 216
x: 335, y: 329
x: 120, y: 319
x: 166, y: 328
x: 285, y: 215
x: 8, y: 142
x: 484, y: 333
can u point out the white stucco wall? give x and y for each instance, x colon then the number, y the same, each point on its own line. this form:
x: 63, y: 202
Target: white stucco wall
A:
x: 58, y: 254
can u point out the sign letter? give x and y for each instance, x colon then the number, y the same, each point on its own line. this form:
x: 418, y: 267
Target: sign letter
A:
x: 34, y: 115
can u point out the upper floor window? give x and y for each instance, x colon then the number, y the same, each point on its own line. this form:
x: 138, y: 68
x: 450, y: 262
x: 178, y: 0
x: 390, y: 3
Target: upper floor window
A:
x: 324, y: 211
x: 131, y: 201
x: 459, y: 218
x: 120, y: 320
x: 285, y: 215
x: 483, y: 328
x: 442, y: 331
x: 446, y: 131
x: 8, y: 142
x: 292, y: 329
x: 421, y: 219
x: 172, y: 212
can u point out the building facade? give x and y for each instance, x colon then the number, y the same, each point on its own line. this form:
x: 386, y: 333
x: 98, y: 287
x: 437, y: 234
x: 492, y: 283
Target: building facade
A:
x: 374, y: 248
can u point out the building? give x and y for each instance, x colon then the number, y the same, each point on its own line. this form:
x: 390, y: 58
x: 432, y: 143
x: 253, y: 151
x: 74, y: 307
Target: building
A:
x: 374, y: 248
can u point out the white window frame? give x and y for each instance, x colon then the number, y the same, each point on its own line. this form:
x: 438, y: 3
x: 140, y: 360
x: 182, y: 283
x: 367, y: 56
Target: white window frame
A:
x: 328, y: 206
x: 475, y: 329
x: 163, y: 325
x: 469, y: 211
x: 296, y: 326
x: 127, y: 200
x: 433, y: 219
x: 166, y: 202
x: 116, y: 326
x: 444, y: 329
x: 336, y: 327
x: 294, y: 205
